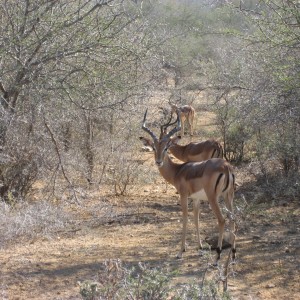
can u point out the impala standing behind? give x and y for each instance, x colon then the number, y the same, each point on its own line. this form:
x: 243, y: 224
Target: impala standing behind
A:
x: 196, y: 151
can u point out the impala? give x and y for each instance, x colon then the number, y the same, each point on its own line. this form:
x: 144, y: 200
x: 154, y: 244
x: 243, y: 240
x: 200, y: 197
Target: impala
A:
x: 207, y: 180
x: 186, y: 113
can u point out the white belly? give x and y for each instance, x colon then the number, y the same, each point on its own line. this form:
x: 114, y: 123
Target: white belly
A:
x: 200, y: 195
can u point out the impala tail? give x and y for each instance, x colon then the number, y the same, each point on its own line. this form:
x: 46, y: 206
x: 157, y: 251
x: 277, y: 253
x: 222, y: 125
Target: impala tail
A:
x: 218, y: 151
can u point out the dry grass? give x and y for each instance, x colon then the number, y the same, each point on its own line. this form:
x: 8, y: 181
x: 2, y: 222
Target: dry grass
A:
x: 31, y: 220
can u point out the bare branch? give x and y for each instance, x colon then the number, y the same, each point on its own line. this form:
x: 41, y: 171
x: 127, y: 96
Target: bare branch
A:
x: 59, y: 157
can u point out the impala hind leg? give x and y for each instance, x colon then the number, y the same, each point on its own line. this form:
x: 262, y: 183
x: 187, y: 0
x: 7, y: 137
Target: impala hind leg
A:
x: 184, y: 207
x: 221, y: 224
x: 196, y: 220
x: 229, y: 205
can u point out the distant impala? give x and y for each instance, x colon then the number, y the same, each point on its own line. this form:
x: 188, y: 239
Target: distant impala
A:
x: 186, y: 113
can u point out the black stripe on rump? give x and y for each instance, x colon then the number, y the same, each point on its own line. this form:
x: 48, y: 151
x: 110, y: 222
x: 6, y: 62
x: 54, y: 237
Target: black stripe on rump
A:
x: 227, y: 183
x: 218, y: 180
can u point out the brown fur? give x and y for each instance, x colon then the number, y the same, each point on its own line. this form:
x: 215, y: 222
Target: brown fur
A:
x: 196, y: 151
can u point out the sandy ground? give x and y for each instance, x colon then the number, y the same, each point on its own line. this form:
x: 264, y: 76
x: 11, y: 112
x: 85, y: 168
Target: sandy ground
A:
x: 148, y: 229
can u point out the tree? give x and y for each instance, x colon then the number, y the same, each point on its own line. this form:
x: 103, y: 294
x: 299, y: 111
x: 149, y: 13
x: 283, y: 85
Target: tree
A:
x: 253, y: 73
x: 64, y: 65
x: 276, y: 39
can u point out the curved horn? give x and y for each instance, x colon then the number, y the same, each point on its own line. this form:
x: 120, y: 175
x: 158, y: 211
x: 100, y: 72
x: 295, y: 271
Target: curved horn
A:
x: 176, y: 129
x: 147, y: 129
x: 168, y: 124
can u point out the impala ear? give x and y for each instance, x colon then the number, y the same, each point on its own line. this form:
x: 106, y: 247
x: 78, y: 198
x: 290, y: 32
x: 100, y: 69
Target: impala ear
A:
x: 147, y: 142
x: 174, y: 140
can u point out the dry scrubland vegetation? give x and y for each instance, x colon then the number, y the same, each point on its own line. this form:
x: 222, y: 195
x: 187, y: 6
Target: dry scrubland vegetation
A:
x: 119, y: 239
x: 84, y: 213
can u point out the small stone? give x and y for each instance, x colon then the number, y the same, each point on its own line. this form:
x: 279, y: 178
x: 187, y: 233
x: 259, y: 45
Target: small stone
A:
x: 270, y: 285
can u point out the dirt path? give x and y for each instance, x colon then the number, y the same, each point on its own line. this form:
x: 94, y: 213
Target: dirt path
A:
x: 268, y: 250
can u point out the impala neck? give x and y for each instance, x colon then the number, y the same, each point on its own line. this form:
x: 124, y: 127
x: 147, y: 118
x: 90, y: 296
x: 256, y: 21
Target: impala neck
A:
x: 178, y: 151
x: 169, y: 170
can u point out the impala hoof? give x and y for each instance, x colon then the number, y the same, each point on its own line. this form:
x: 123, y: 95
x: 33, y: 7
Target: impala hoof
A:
x: 233, y: 253
x: 219, y: 250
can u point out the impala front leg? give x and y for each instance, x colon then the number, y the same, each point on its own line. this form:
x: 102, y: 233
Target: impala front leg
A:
x: 182, y: 120
x: 196, y: 220
x: 221, y: 224
x: 184, y: 207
